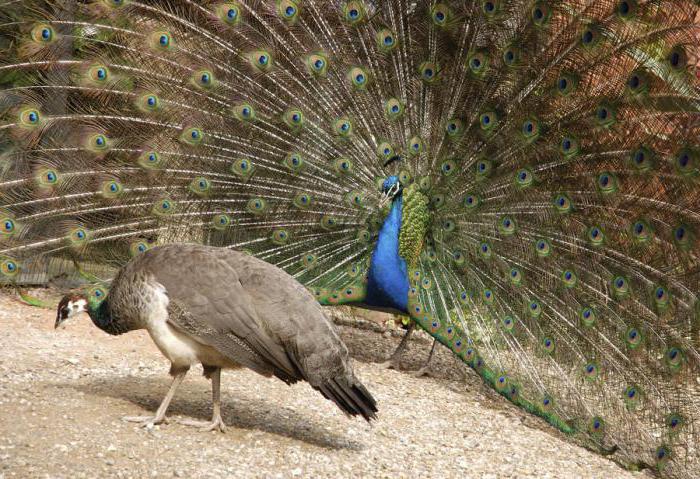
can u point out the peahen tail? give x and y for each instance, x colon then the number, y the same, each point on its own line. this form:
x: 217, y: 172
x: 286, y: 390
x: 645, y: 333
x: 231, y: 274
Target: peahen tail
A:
x: 549, y: 153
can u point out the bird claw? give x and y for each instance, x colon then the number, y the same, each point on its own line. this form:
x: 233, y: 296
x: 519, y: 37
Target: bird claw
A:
x: 389, y: 364
x: 424, y: 371
x: 146, y: 421
x: 205, y: 426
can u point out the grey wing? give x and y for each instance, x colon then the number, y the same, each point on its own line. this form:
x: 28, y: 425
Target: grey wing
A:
x: 227, y: 343
x: 294, y: 317
x: 209, y: 303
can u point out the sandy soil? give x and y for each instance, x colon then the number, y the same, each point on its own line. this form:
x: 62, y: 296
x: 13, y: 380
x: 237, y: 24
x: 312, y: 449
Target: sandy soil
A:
x: 62, y: 394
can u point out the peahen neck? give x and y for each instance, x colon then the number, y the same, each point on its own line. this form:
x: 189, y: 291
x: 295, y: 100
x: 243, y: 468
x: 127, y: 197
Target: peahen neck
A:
x: 387, y: 279
x: 102, y: 317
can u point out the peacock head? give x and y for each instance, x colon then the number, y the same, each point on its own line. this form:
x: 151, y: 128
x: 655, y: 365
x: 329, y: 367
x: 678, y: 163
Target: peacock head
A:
x: 69, y: 306
x: 391, y: 188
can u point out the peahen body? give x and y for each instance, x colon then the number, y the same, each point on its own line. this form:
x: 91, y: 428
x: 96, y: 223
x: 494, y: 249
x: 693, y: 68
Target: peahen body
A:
x: 202, y: 304
x: 520, y: 177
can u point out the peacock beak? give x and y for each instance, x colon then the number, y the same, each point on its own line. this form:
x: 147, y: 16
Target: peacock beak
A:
x: 384, y: 200
x: 387, y: 196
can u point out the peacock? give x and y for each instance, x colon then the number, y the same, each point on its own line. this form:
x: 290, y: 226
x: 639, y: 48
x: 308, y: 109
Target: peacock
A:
x: 519, y: 178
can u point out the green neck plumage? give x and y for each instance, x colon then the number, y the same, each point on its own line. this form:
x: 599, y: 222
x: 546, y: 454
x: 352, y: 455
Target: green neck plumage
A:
x: 415, y: 220
x: 101, y: 314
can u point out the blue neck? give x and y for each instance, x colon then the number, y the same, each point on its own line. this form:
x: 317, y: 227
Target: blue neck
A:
x: 387, y: 279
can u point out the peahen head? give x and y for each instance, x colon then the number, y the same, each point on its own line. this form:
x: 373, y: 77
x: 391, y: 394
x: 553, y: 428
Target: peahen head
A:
x: 69, y: 306
x: 76, y: 303
x: 391, y: 188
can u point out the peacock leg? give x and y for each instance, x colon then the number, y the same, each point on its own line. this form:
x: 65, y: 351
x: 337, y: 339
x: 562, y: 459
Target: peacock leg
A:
x: 425, y: 370
x: 159, y: 418
x: 216, y: 421
x: 394, y: 359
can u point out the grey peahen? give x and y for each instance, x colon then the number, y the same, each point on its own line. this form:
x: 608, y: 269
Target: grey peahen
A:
x: 202, y: 304
x: 521, y: 178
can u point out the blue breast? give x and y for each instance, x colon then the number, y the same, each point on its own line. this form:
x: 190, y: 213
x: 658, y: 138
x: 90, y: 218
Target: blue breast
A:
x: 387, y: 279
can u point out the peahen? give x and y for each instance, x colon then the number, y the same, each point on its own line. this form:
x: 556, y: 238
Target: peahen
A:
x: 208, y: 305
x: 521, y: 178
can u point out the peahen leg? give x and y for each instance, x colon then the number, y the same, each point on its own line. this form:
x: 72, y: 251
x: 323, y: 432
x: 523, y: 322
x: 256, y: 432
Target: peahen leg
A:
x: 216, y: 421
x: 425, y: 370
x: 394, y: 359
x: 160, y: 413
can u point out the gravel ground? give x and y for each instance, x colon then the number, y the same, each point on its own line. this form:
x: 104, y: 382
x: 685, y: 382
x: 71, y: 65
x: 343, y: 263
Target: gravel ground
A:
x: 62, y: 394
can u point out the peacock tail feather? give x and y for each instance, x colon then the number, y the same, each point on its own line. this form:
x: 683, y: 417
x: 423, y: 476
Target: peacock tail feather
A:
x: 548, y: 151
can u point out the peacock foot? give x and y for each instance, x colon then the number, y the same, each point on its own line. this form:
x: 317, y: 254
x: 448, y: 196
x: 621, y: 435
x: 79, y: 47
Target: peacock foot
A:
x: 391, y: 363
x: 146, y: 421
x: 424, y: 371
x: 213, y: 425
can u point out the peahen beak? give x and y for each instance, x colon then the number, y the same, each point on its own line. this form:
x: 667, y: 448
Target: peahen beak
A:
x: 61, y: 316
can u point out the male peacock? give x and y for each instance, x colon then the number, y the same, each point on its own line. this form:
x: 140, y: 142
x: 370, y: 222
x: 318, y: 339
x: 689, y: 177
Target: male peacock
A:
x: 520, y: 177
x: 209, y: 305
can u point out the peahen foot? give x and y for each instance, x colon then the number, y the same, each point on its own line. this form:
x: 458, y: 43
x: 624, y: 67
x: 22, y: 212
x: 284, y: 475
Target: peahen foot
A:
x: 216, y: 423
x: 147, y: 421
x: 159, y: 418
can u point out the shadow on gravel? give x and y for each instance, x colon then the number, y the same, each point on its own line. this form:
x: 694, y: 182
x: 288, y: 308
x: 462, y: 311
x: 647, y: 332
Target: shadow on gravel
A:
x: 238, y: 412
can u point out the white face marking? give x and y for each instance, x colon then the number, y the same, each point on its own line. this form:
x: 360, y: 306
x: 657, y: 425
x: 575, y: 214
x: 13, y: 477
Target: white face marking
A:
x: 75, y: 307
x: 389, y: 195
